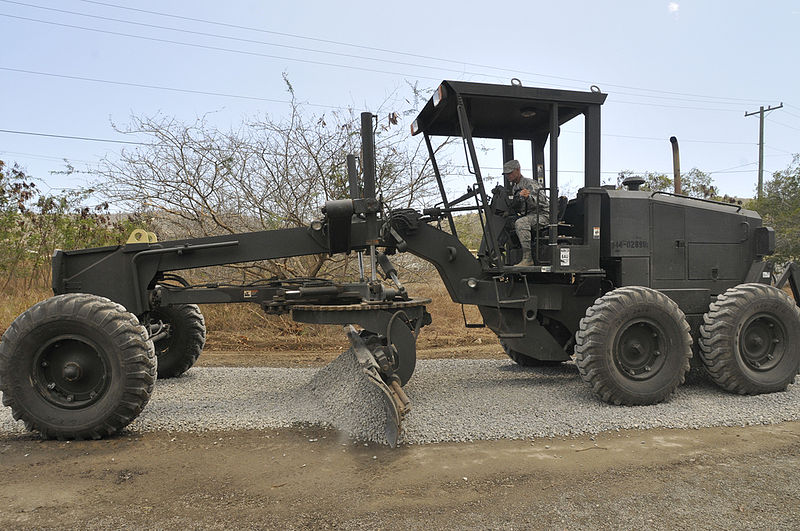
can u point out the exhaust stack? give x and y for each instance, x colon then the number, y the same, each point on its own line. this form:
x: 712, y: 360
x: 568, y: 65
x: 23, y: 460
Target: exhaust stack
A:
x: 676, y: 164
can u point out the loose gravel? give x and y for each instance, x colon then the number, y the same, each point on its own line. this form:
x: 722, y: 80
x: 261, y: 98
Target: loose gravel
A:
x: 452, y: 400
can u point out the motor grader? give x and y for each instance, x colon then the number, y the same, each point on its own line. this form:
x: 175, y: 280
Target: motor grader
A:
x: 630, y: 283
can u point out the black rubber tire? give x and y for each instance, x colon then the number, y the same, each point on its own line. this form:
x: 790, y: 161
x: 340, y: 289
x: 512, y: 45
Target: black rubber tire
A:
x: 633, y: 347
x: 76, y: 366
x: 734, y: 332
x: 526, y: 361
x: 178, y: 352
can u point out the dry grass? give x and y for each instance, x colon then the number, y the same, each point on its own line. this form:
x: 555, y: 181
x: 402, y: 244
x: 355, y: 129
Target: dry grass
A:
x: 18, y: 298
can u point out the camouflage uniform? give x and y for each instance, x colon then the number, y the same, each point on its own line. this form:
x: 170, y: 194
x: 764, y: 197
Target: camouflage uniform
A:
x: 529, y: 220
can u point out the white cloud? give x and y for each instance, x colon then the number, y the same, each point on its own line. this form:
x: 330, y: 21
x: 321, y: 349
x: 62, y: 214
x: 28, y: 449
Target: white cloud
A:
x: 673, y: 7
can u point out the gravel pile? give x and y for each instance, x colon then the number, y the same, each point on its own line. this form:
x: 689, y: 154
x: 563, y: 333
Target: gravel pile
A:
x: 343, y: 397
x: 452, y: 400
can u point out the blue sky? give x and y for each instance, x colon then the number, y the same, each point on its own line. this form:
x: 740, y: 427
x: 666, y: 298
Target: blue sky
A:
x: 684, y: 68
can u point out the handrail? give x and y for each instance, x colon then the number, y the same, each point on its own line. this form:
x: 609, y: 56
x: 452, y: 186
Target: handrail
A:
x: 738, y: 207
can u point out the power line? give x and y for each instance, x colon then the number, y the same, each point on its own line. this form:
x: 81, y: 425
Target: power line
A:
x: 271, y: 56
x: 783, y: 124
x: 690, y: 141
x: 300, y: 48
x: 327, y: 52
x: 646, y: 104
x: 407, y: 54
x: 162, y: 87
x: 240, y: 39
x: 71, y: 137
x: 200, y: 92
x: 214, y: 48
x: 781, y: 150
x: 43, y: 157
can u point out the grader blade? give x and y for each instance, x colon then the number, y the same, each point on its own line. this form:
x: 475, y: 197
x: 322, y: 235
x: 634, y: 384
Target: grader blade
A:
x: 395, y: 402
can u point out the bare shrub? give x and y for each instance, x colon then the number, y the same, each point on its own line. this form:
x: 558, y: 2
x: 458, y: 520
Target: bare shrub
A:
x: 270, y: 173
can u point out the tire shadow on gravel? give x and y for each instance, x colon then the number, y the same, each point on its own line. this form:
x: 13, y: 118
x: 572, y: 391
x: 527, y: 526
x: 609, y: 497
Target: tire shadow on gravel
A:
x: 565, y: 369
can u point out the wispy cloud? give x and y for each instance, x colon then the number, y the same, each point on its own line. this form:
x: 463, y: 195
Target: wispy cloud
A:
x: 673, y: 7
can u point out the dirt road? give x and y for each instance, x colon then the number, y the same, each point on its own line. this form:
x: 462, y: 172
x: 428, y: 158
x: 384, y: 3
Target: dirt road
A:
x: 719, y: 478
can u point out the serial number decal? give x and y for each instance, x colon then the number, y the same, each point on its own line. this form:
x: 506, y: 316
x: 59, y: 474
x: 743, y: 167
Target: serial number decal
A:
x: 629, y: 244
x: 565, y: 256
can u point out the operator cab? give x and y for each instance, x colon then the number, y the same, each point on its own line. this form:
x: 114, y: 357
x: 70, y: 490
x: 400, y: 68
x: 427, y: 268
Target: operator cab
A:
x: 509, y: 113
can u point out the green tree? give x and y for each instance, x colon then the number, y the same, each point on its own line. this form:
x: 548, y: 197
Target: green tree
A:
x: 780, y: 208
x: 33, y: 224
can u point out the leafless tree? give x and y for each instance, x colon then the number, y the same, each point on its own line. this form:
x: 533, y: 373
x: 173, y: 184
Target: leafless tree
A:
x: 270, y: 173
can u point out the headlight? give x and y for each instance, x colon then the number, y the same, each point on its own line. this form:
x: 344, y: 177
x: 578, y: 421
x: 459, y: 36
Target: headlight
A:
x: 438, y: 96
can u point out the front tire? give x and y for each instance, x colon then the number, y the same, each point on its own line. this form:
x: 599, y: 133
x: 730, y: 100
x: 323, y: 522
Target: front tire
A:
x: 633, y: 347
x: 76, y: 366
x: 750, y: 339
x: 179, y: 351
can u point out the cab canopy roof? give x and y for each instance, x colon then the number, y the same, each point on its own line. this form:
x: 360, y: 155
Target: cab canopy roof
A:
x: 501, y: 111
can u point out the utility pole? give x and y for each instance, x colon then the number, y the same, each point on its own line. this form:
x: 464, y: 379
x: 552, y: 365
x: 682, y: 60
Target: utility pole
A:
x: 760, y: 112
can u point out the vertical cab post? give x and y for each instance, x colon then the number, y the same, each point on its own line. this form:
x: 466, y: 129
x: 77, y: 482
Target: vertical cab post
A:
x: 553, y: 233
x: 466, y: 134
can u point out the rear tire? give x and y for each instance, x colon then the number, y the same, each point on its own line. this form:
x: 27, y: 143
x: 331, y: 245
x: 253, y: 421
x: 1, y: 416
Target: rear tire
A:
x: 750, y: 339
x: 76, y: 366
x: 179, y: 351
x: 633, y: 347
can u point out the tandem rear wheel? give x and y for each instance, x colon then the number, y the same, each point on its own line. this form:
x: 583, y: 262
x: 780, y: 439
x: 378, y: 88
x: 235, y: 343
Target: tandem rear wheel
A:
x: 749, y: 339
x: 76, y: 366
x: 633, y: 346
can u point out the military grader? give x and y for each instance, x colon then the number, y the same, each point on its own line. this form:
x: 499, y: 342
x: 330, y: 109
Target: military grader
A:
x: 630, y: 283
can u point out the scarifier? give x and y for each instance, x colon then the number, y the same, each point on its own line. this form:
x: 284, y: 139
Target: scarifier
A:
x: 629, y: 282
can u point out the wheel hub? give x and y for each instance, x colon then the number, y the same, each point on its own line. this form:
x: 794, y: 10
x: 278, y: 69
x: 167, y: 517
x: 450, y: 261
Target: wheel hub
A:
x: 762, y: 342
x: 638, y: 349
x: 71, y: 371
